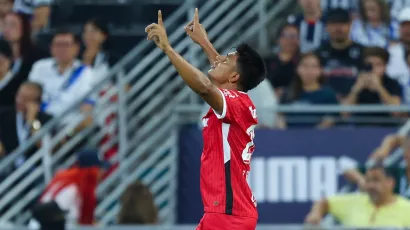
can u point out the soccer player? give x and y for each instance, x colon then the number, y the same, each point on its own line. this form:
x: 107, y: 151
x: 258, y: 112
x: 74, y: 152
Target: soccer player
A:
x: 228, y: 126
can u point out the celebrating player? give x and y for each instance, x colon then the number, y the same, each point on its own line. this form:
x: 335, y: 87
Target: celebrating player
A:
x: 228, y: 126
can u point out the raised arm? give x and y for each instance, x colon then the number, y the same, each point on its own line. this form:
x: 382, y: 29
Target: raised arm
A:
x: 193, y: 77
x: 198, y: 34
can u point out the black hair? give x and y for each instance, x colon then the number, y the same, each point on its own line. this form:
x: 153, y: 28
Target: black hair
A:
x: 65, y: 31
x: 103, y: 27
x: 377, y: 52
x: 388, y: 171
x: 25, y: 43
x: 251, y: 67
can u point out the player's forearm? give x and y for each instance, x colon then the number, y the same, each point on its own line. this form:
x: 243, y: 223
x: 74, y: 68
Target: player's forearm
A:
x: 210, y: 51
x: 192, y: 76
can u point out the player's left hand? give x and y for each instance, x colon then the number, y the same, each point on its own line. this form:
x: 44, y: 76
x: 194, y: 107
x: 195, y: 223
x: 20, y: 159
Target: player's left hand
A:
x: 157, y: 32
x: 196, y: 31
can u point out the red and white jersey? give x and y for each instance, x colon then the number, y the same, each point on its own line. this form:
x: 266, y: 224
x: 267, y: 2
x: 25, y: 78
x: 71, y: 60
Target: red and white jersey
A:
x: 225, y: 160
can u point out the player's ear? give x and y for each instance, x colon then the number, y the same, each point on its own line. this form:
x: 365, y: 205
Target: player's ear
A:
x: 234, y: 77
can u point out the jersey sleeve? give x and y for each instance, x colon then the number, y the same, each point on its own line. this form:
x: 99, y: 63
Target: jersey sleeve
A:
x: 234, y: 106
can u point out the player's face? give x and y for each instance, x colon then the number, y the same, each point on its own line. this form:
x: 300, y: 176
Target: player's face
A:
x: 224, y: 69
x: 378, y: 185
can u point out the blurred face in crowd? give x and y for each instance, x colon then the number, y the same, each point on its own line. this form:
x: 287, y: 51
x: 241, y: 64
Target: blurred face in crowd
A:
x: 310, y: 6
x: 372, y: 10
x: 5, y: 64
x: 378, y: 185
x: 64, y: 48
x: 405, y: 32
x: 13, y: 28
x: 92, y: 36
x: 378, y: 66
x: 289, y: 39
x: 5, y: 7
x: 309, y: 69
x: 338, y: 32
x: 25, y: 95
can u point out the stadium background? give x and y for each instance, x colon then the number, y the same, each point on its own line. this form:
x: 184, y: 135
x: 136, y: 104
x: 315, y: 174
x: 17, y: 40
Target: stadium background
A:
x: 153, y: 134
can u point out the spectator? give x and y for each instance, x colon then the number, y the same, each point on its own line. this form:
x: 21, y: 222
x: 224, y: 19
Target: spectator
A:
x: 400, y: 172
x: 74, y: 189
x: 310, y: 23
x: 397, y: 68
x: 95, y: 36
x: 396, y: 6
x: 308, y: 89
x: 64, y: 79
x: 137, y: 206
x: 373, y: 86
x: 9, y: 83
x: 17, y: 32
x: 19, y: 122
x: 374, y: 27
x: 38, y: 9
x: 341, y: 57
x: 378, y: 208
x: 281, y: 67
x: 5, y: 7
x: 49, y: 216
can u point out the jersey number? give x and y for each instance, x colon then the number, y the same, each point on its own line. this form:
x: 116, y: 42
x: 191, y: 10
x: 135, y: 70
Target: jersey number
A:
x: 250, y: 146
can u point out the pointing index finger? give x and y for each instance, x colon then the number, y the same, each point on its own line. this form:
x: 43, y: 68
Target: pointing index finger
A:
x: 196, y: 16
x: 160, y: 18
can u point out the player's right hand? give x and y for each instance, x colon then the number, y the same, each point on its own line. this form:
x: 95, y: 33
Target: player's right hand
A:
x: 195, y: 30
x: 313, y: 219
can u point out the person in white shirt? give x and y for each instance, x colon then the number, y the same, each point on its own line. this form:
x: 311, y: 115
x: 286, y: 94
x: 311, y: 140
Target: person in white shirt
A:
x: 64, y: 79
x: 374, y: 27
x: 397, y: 67
x: 39, y: 9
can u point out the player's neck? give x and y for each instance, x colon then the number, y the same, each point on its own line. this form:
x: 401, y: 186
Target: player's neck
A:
x: 228, y: 86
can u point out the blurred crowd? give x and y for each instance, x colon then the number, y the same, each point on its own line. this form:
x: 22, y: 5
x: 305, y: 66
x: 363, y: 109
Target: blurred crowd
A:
x: 37, y: 84
x: 342, y: 53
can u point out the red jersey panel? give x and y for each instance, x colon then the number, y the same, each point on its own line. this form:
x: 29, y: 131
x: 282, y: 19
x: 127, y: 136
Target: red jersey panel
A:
x: 225, y: 160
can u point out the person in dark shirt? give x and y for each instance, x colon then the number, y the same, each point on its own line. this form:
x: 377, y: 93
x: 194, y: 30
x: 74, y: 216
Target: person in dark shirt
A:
x: 9, y: 83
x: 281, y: 66
x: 373, y: 86
x: 311, y: 24
x: 308, y: 89
x: 341, y: 57
x: 17, y: 32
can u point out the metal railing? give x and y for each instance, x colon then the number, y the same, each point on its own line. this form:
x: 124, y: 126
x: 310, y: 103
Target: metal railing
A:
x: 26, y: 183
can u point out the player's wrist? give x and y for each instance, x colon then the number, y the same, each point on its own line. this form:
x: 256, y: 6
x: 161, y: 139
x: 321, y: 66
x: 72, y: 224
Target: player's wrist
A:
x: 168, y: 49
